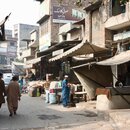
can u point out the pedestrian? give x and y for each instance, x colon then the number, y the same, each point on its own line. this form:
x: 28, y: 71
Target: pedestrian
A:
x: 2, y: 90
x: 13, y: 95
x: 65, y: 91
x: 32, y: 76
x: 21, y: 84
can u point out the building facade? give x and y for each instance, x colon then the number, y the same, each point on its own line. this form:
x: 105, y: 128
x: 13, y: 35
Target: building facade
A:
x: 54, y: 14
x: 107, y: 36
x: 8, y: 50
x: 22, y: 31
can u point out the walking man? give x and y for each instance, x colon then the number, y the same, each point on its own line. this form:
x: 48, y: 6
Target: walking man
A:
x: 2, y: 90
x: 13, y: 95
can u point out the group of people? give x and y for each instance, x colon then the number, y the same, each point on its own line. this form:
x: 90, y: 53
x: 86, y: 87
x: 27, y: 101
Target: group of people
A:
x: 12, y: 92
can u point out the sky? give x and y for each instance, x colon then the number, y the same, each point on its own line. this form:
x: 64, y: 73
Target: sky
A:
x: 22, y: 11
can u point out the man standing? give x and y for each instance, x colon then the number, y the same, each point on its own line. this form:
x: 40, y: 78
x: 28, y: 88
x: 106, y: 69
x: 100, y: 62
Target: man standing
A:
x: 2, y: 90
x: 65, y: 91
x: 13, y: 95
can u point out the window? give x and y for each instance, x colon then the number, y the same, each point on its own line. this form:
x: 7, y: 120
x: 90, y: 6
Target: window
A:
x: 77, y: 14
x: 64, y: 37
x: 3, y: 59
x: 11, y: 43
x: 118, y: 7
x: 124, y: 73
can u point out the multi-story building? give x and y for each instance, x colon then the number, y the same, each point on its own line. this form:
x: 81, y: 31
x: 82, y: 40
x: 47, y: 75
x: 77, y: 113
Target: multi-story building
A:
x: 8, y: 50
x: 30, y: 53
x: 107, y: 38
x: 54, y: 14
x: 22, y: 31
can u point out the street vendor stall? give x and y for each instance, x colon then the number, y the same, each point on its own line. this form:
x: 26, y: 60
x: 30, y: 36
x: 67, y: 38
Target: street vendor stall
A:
x: 35, y: 88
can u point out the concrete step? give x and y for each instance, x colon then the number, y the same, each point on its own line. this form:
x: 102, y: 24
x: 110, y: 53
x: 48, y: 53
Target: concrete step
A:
x: 118, y: 118
x: 121, y: 117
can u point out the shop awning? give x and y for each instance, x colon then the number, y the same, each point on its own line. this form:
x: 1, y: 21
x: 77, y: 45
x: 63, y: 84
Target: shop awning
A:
x: 17, y: 63
x: 34, y: 61
x: 58, y: 46
x: 122, y: 57
x: 27, y: 66
x: 81, y: 49
x: 29, y: 63
x: 82, y: 21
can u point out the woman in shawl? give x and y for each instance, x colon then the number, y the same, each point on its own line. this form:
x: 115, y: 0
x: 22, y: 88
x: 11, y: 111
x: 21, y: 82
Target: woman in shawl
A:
x: 2, y: 90
x: 13, y: 95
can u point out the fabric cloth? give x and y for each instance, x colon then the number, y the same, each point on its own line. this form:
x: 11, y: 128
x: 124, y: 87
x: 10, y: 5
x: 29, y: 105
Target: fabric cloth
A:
x: 13, y: 95
x: 103, y: 91
x: 2, y: 92
x: 65, y: 92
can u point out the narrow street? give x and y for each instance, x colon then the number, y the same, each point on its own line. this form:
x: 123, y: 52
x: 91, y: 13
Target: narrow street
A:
x: 34, y: 113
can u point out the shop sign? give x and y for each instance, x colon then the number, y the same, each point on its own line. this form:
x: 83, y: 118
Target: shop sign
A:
x: 57, y: 52
x: 63, y: 14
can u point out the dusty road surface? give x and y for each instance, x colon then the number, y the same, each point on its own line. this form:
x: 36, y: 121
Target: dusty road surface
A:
x: 35, y: 114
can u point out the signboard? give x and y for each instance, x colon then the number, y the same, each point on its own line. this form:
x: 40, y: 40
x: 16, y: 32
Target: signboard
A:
x: 63, y: 14
x: 57, y: 52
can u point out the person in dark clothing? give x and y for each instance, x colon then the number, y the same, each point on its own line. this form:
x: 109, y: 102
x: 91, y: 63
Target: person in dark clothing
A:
x: 33, y: 77
x: 2, y: 90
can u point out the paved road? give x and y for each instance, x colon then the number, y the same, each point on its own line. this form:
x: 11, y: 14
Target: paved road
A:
x: 34, y: 113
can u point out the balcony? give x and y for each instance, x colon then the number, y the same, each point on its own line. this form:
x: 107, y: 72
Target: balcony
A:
x: 119, y: 21
x: 121, y: 36
x: 28, y: 53
x: 70, y: 32
x: 34, y: 42
x: 44, y: 11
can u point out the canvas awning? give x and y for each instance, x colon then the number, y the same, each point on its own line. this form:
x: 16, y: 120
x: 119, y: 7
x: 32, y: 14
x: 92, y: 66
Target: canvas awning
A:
x: 17, y: 63
x: 81, y: 49
x: 57, y: 46
x: 93, y: 76
x: 29, y: 64
x: 34, y: 61
x: 122, y: 57
x: 82, y: 21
